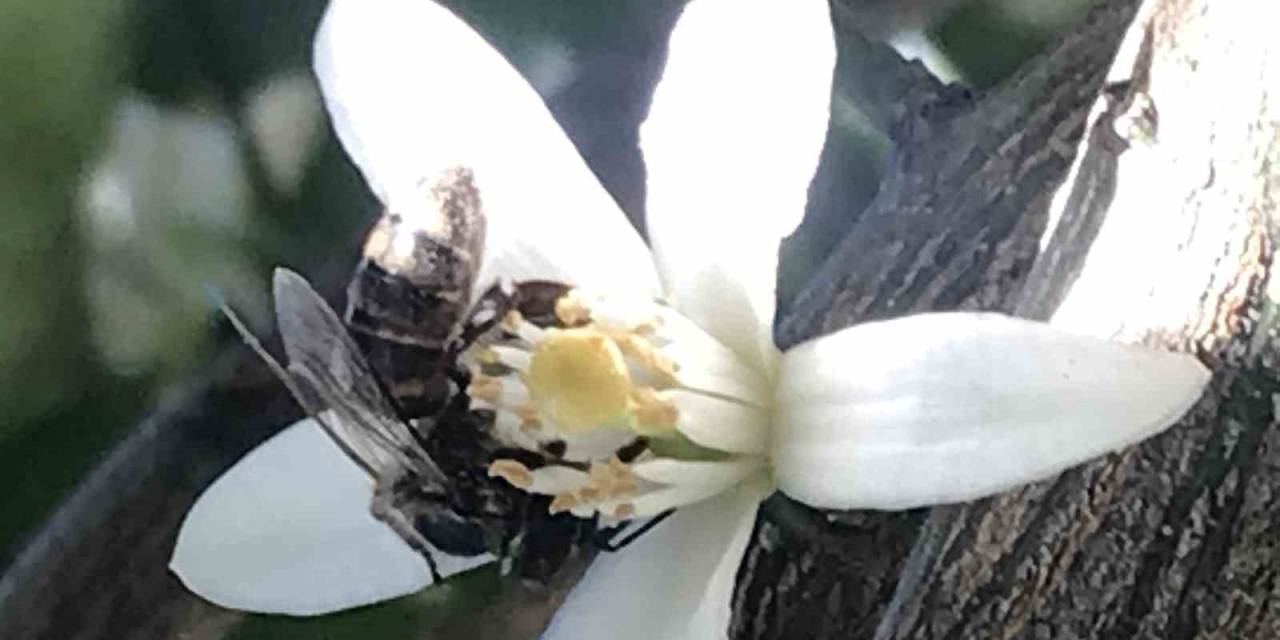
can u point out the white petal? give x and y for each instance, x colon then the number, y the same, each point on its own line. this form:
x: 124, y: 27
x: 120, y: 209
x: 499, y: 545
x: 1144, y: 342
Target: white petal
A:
x: 719, y: 423
x: 731, y: 143
x: 288, y: 530
x: 674, y: 582
x: 689, y: 482
x: 721, y: 473
x: 946, y: 407
x: 412, y: 90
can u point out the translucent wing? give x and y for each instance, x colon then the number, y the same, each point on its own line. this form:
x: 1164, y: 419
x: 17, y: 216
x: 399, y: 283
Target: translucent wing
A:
x: 288, y: 530
x: 335, y: 384
x: 294, y: 527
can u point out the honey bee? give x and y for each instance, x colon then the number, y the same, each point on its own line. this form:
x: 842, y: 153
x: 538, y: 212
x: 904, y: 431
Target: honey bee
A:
x: 385, y: 384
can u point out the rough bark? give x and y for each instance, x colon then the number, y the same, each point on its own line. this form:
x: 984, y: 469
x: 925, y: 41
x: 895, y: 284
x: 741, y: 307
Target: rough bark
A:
x: 1163, y: 234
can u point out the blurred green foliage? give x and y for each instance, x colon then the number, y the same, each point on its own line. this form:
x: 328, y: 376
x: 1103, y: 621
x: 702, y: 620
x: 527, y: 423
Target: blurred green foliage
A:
x: 988, y: 39
x: 59, y: 407
x: 62, y: 69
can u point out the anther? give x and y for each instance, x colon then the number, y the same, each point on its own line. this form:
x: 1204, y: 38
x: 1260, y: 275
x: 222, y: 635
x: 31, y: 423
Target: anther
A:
x: 512, y: 320
x: 515, y: 323
x: 562, y: 502
x: 512, y: 471
x: 487, y: 356
x: 649, y: 357
x: 651, y: 414
x: 572, y: 310
x: 486, y: 388
x: 527, y: 413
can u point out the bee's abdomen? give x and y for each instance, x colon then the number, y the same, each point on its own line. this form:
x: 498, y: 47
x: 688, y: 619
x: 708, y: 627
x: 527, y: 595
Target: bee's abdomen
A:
x: 394, y: 308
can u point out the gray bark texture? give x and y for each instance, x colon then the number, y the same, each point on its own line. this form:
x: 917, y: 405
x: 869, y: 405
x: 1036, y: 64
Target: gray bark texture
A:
x: 1123, y: 184
x: 1163, y: 158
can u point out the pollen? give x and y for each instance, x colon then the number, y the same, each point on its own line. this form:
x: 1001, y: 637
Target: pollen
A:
x: 650, y: 414
x: 572, y: 310
x: 561, y: 503
x: 656, y: 364
x: 606, y: 481
x: 578, y: 379
x: 512, y: 471
x: 485, y: 388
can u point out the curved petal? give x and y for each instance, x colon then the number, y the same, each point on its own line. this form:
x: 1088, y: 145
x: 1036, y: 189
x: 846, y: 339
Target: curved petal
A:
x: 731, y: 143
x: 288, y: 530
x: 947, y: 407
x: 413, y: 90
x: 674, y: 582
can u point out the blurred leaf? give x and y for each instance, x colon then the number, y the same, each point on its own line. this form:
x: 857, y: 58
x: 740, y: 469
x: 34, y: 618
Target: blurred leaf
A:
x: 989, y: 39
x: 51, y: 115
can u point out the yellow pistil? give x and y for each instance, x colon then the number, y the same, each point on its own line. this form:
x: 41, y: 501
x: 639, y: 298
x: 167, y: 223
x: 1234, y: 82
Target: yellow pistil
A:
x: 578, y: 379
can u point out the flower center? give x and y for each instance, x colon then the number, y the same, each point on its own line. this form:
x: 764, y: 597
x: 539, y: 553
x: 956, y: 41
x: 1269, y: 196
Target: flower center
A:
x: 634, y: 407
x: 578, y: 379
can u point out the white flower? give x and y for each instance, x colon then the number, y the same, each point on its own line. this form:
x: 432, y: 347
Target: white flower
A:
x: 927, y: 409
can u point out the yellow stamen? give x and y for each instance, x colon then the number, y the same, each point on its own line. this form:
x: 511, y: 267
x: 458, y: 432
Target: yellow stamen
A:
x: 486, y: 388
x: 650, y: 414
x: 608, y: 480
x: 649, y: 357
x: 572, y: 310
x: 562, y: 502
x: 512, y: 471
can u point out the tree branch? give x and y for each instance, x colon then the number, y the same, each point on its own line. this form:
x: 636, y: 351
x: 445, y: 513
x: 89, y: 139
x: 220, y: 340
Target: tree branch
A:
x: 955, y: 224
x: 1163, y: 233
x: 1176, y: 538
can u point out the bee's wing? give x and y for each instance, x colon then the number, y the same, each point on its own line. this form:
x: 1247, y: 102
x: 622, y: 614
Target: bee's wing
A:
x: 289, y: 529
x: 335, y: 384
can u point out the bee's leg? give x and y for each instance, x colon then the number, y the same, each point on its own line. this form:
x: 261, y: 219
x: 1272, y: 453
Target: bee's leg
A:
x: 382, y: 508
x: 604, y: 539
